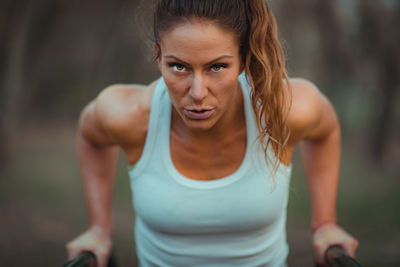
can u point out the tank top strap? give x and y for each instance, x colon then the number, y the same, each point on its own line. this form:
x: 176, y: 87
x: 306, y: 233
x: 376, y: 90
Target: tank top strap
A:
x: 156, y: 111
x: 251, y: 123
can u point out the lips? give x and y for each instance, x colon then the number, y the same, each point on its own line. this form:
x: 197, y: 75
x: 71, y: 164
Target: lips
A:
x: 198, y: 114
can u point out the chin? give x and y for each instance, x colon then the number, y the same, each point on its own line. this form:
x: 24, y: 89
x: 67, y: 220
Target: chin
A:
x: 199, y: 125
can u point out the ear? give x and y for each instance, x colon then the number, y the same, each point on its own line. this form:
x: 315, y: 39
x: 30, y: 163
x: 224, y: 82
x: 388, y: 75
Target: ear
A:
x: 157, y: 54
x: 241, y: 69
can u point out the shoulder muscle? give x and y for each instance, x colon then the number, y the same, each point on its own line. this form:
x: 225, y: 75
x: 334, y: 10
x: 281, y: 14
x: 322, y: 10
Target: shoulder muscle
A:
x: 311, y: 115
x: 119, y: 114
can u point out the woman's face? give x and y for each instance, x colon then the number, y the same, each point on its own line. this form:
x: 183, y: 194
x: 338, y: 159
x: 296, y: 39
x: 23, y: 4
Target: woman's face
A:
x: 200, y: 63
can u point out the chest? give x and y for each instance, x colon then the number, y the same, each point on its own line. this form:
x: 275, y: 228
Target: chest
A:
x: 249, y: 203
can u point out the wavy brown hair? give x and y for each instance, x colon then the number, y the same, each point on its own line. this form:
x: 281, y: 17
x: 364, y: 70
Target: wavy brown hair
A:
x: 262, y: 57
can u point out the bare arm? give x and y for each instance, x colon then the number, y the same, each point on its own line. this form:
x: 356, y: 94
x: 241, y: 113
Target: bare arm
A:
x: 317, y: 129
x: 97, y: 156
x: 106, y: 123
x: 321, y: 155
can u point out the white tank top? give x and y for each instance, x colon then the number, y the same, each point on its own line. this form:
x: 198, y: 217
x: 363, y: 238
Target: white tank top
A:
x: 237, y: 220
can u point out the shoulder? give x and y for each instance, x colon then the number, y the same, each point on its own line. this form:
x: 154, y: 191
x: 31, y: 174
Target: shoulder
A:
x: 122, y: 111
x: 308, y: 109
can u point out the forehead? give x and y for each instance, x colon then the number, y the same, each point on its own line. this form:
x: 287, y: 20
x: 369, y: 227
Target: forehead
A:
x: 199, y: 39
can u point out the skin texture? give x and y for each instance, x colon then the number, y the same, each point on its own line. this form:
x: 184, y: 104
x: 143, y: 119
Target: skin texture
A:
x: 119, y: 117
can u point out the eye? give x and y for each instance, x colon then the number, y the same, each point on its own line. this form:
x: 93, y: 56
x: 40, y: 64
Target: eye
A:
x: 218, y: 67
x: 177, y: 67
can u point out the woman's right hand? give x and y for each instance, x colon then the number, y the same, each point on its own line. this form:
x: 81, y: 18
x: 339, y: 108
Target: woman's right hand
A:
x: 96, y: 240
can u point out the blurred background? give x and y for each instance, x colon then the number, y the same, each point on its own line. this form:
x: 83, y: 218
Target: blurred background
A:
x: 55, y: 56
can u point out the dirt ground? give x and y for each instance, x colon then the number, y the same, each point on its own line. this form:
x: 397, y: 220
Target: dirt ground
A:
x: 42, y: 205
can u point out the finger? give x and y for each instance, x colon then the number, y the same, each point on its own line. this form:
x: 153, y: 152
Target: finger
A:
x: 102, y: 257
x: 350, y: 247
x: 319, y: 253
x: 72, y: 252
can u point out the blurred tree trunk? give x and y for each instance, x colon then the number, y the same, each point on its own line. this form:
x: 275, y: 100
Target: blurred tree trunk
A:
x: 336, y: 46
x: 14, y: 69
x: 4, y: 148
x: 378, y: 21
x: 316, y: 24
x: 18, y: 23
x: 100, y: 71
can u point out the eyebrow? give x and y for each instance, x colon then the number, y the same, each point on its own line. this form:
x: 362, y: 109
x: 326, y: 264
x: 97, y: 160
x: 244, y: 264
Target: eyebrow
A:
x: 208, y: 63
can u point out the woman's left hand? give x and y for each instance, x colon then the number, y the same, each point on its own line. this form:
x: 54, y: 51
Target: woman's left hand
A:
x: 328, y: 235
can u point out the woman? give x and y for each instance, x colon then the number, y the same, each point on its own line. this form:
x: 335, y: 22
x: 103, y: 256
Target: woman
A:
x: 211, y: 143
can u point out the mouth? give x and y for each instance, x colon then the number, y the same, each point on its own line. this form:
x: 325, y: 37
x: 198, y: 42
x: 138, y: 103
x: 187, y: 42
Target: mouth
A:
x: 198, y: 114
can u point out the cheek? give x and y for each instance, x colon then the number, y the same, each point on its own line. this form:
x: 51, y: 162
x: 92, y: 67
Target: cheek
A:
x: 177, y: 87
x: 227, y: 87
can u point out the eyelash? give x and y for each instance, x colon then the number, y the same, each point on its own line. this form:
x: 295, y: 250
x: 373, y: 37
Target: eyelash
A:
x: 172, y: 65
x: 218, y: 65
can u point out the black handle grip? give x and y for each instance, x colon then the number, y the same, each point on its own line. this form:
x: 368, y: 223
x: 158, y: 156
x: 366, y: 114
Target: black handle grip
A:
x: 86, y: 259
x: 336, y: 257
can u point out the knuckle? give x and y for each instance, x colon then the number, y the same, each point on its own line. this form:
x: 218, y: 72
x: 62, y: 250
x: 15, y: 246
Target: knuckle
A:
x: 102, y: 253
x: 318, y: 245
x: 68, y: 247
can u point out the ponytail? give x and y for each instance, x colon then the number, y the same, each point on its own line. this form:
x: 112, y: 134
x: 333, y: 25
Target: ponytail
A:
x: 264, y: 65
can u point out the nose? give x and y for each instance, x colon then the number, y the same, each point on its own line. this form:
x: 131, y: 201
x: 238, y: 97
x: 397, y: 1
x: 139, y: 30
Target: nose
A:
x: 198, y: 89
